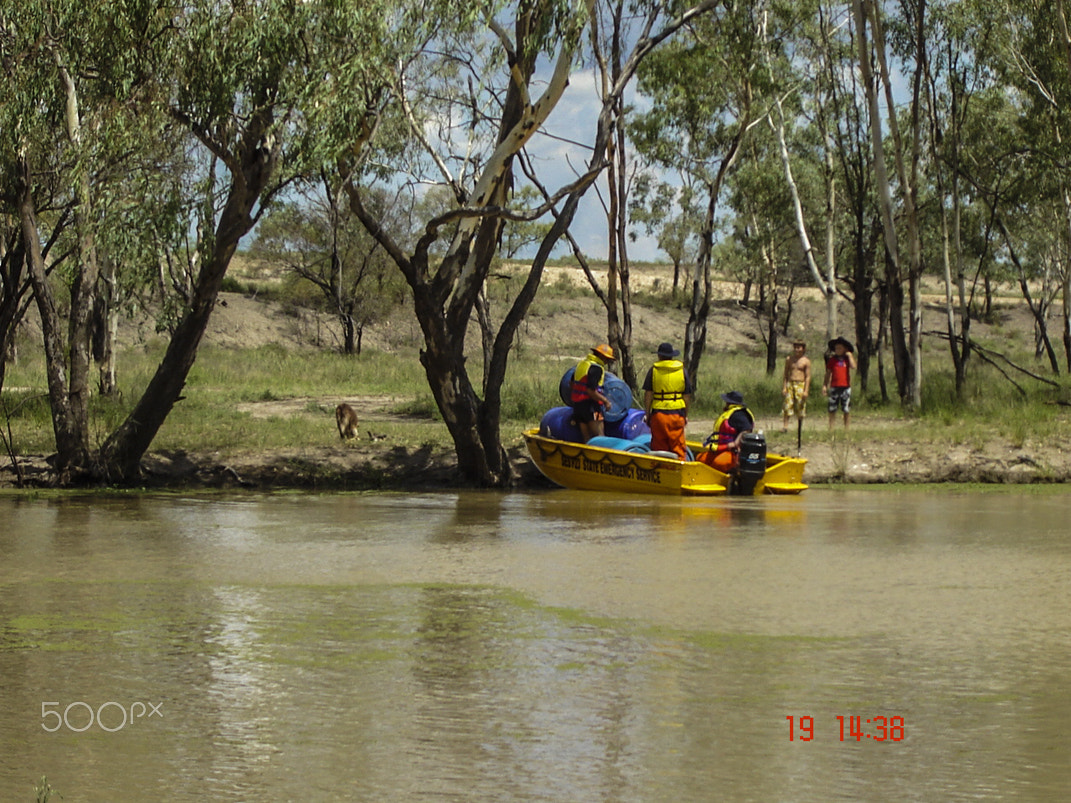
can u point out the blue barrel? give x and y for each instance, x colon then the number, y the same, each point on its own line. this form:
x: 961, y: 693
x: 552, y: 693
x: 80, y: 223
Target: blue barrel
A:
x: 621, y: 444
x: 620, y: 396
x: 557, y: 423
x: 630, y: 426
x: 565, y: 387
x: 616, y: 390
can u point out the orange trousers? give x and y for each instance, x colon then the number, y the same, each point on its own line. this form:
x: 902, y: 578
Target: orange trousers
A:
x: 667, y: 433
x: 724, y: 461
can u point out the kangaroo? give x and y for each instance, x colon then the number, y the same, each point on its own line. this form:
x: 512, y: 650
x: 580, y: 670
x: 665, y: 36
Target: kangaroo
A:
x: 346, y: 418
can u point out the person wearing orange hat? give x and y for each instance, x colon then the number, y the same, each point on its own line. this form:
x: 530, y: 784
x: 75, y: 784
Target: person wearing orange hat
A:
x: 667, y: 394
x: 586, y: 397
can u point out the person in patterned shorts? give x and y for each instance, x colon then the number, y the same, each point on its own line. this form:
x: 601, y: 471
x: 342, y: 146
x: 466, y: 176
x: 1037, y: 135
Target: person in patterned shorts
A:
x: 796, y: 385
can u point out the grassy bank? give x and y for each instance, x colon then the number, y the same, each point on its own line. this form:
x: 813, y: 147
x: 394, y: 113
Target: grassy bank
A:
x: 226, y: 386
x: 225, y: 383
x: 277, y: 396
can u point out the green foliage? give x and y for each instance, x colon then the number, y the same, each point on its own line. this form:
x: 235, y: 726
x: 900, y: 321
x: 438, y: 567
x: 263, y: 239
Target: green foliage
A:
x: 699, y: 86
x: 332, y: 263
x: 669, y: 212
x: 723, y: 372
x: 235, y: 285
x: 529, y: 394
x: 43, y: 791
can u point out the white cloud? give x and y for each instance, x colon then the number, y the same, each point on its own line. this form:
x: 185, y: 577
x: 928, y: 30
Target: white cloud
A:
x: 562, y: 151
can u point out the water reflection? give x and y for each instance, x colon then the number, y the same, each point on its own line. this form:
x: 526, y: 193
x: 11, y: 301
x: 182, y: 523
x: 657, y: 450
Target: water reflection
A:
x: 559, y: 646
x: 583, y: 514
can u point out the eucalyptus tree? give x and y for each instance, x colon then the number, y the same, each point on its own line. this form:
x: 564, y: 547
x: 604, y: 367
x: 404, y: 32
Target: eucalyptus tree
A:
x: 853, y: 229
x: 1035, y: 59
x: 1018, y: 191
x: 959, y: 69
x: 763, y: 231
x: 317, y: 240
x: 874, y: 60
x: 15, y: 289
x: 93, y: 91
x: 471, y: 100
x: 62, y: 138
x: 702, y: 89
x: 144, y: 231
x: 991, y: 164
x: 249, y: 84
x: 1065, y: 46
x: 797, y: 79
x: 667, y: 212
x: 1040, y: 261
x: 612, y: 30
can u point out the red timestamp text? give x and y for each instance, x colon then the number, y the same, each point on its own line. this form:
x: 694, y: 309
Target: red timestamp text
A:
x: 851, y: 728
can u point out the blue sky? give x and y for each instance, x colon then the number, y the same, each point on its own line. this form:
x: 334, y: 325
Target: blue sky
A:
x: 559, y: 161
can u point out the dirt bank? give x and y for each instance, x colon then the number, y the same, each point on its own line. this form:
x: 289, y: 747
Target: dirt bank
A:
x: 380, y: 465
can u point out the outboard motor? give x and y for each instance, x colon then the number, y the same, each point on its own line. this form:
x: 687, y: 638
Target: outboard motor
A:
x: 752, y: 464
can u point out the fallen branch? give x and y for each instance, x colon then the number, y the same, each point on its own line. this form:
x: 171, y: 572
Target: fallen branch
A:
x: 991, y: 356
x: 1018, y: 387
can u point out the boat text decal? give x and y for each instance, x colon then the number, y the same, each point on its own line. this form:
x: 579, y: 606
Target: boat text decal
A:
x: 605, y: 464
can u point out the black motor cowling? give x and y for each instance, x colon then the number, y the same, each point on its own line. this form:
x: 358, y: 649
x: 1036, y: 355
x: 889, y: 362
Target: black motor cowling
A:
x: 752, y: 464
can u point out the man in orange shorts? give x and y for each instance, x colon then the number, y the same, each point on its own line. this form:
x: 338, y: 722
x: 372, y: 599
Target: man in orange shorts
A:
x: 667, y: 392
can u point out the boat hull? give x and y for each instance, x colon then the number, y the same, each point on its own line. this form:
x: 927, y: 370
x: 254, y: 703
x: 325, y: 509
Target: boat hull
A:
x: 593, y: 468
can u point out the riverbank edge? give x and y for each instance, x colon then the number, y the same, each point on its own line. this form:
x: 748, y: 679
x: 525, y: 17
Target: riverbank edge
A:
x: 435, y: 468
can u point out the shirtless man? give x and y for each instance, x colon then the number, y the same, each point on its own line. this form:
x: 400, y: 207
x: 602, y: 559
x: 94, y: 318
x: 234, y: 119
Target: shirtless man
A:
x: 796, y: 385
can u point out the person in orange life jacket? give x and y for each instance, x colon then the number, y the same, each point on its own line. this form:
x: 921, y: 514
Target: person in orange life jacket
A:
x: 729, y: 429
x: 840, y: 363
x: 667, y: 393
x: 586, y: 397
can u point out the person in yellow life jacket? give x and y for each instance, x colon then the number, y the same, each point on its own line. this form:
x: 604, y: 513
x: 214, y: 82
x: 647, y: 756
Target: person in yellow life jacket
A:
x: 667, y: 394
x: 586, y: 396
x: 729, y: 429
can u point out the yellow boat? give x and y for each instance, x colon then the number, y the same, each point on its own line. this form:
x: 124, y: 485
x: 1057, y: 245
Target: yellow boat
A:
x: 594, y: 468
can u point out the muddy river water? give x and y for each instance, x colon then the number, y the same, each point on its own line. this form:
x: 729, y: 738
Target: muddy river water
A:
x: 559, y: 646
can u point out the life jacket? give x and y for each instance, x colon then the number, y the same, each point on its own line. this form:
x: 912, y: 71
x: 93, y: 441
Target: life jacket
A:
x: 667, y: 384
x: 580, y: 374
x: 724, y: 434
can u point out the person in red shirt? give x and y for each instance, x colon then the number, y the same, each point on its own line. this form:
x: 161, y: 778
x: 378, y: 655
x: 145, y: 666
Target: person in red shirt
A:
x: 838, y: 382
